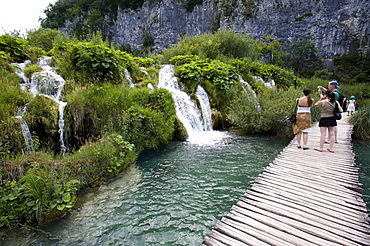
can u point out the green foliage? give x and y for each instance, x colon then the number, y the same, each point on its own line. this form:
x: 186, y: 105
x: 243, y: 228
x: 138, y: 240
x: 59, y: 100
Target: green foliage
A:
x: 361, y: 122
x: 91, y: 62
x: 11, y: 99
x: 283, y: 78
x: 14, y: 48
x: 92, y: 110
x: 302, y: 57
x: 45, y: 38
x: 215, y: 46
x: 31, y: 69
x: 275, y: 106
x: 95, y: 162
x: 42, y: 119
x: 271, y: 49
x: 152, y: 114
x: 144, y: 61
x: 40, y: 196
x: 353, y: 68
x: 220, y: 74
x: 87, y: 16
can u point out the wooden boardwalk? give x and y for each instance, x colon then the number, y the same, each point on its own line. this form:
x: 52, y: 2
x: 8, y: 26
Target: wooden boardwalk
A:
x: 303, y: 197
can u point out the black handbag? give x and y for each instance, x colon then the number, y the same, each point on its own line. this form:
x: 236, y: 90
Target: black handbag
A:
x: 337, y: 114
x: 293, y: 117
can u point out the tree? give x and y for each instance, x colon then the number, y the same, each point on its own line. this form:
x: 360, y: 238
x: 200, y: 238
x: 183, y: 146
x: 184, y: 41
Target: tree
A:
x: 301, y: 57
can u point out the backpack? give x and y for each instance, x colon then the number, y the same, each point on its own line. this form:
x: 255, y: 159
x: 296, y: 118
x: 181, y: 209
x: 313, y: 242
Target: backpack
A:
x: 342, y: 101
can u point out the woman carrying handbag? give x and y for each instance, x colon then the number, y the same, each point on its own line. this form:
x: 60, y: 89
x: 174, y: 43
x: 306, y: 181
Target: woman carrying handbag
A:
x: 328, y: 120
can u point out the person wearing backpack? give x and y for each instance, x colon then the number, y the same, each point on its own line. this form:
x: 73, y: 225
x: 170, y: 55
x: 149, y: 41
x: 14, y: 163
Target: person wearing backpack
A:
x: 333, y: 86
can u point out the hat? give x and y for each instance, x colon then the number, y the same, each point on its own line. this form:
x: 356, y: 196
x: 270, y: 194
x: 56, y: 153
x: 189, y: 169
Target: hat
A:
x: 335, y: 83
x: 352, y: 96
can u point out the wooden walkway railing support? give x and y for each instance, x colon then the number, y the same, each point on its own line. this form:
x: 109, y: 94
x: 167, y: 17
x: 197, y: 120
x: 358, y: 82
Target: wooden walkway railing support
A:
x: 303, y: 197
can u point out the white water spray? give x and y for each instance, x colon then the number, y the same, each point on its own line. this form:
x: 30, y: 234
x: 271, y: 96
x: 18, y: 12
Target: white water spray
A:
x: 25, y: 130
x: 193, y: 119
x: 250, y: 93
x: 47, y: 83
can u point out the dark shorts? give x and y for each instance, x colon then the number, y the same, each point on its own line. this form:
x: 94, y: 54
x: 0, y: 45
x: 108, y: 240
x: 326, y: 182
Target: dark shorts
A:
x: 327, y: 121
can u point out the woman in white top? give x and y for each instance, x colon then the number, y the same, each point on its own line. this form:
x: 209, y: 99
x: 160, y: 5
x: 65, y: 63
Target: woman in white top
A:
x: 303, y: 124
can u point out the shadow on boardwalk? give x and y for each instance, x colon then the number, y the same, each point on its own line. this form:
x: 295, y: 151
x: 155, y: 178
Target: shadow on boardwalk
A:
x: 304, y: 197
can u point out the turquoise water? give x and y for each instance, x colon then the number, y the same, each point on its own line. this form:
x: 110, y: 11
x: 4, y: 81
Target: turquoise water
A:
x: 173, y: 195
x: 362, y: 151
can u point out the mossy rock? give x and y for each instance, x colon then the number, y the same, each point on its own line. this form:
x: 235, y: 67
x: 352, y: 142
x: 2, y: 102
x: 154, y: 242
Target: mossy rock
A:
x: 180, y: 130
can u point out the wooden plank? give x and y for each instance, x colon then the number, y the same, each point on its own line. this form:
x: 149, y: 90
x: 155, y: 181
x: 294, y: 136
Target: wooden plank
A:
x: 350, y: 172
x: 239, y: 235
x: 324, y: 184
x: 248, y: 223
x: 318, y: 235
x: 281, y: 225
x: 335, y: 214
x: 219, y: 238
x: 306, y: 216
x: 343, y: 201
x: 352, y: 180
x: 302, y: 198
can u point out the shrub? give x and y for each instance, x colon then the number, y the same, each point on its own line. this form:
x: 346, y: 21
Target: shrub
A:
x: 45, y: 38
x: 361, y: 122
x: 86, y: 62
x: 215, y: 46
x: 15, y: 48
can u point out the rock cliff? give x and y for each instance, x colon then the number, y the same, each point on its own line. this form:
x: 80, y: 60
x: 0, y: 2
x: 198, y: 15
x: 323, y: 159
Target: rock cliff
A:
x: 337, y: 27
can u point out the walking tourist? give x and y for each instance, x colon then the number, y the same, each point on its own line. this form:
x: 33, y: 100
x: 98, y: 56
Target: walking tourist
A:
x: 303, y: 124
x: 327, y: 120
x: 351, y: 105
x: 333, y: 86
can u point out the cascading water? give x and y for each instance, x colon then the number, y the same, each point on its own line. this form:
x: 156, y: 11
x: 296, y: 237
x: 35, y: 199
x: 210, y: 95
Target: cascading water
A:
x: 206, y: 108
x: 250, y: 93
x: 49, y: 84
x: 25, y: 130
x: 186, y: 110
x: 128, y: 77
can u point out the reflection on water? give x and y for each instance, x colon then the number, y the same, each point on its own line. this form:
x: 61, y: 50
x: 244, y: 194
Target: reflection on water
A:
x: 173, y: 195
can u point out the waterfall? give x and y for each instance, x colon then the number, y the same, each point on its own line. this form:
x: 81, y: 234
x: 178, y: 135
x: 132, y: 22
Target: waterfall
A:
x: 25, y: 130
x: 270, y: 83
x: 49, y: 84
x: 193, y: 119
x: 20, y: 72
x: 206, y: 108
x: 250, y: 93
x: 128, y: 77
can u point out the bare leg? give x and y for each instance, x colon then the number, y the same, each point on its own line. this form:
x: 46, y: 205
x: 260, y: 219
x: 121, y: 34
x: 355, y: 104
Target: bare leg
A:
x: 305, y: 139
x: 322, y: 137
x: 299, y: 134
x: 332, y: 136
x: 335, y: 134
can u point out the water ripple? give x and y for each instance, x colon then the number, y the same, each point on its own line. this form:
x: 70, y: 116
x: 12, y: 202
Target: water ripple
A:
x: 173, y: 196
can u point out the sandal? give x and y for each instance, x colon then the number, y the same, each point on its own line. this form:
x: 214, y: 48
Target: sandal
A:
x: 320, y: 150
x: 305, y: 148
x: 299, y: 147
x: 332, y: 151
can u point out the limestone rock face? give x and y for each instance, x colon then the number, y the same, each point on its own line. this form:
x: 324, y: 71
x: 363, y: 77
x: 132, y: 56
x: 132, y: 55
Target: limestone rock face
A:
x: 336, y: 26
